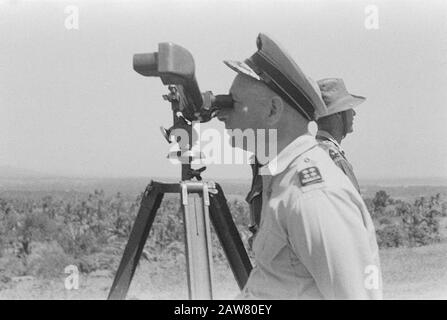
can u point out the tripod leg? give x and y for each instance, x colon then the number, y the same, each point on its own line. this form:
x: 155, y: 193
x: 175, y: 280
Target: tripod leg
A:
x: 198, y: 245
x: 229, y: 237
x: 140, y: 231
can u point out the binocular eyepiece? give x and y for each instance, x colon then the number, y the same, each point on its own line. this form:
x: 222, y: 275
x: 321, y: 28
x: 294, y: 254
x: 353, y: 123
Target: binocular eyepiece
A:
x: 174, y: 65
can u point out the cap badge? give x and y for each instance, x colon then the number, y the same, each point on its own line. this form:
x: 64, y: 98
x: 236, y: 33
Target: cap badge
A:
x: 239, y: 66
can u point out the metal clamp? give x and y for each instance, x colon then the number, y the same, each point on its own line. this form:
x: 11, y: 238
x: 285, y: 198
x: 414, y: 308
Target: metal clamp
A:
x: 184, y: 193
x: 206, y: 196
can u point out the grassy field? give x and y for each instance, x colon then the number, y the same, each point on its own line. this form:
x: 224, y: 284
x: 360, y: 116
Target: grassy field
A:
x: 408, y: 273
x: 415, y: 273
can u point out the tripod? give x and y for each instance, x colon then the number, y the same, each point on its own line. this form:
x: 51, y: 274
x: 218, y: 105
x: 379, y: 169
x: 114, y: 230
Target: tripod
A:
x: 201, y: 202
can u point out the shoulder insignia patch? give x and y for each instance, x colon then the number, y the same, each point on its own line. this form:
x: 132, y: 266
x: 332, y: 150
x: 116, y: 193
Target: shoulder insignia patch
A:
x: 333, y: 154
x: 309, y: 176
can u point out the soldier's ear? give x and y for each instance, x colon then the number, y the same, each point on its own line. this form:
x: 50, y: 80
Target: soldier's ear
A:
x: 276, y: 109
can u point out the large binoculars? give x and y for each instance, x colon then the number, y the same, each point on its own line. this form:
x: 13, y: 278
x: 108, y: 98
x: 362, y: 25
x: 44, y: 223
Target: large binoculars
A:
x: 174, y: 65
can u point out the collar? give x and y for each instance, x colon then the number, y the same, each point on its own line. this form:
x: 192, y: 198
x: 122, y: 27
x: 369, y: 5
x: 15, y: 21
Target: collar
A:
x: 252, y: 159
x: 292, y: 151
x: 326, y: 135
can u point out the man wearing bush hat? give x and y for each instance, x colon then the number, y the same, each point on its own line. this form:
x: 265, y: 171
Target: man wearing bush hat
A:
x: 337, y: 122
x: 316, y: 238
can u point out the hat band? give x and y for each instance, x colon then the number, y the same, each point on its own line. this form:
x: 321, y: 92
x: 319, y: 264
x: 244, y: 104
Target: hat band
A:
x: 280, y: 84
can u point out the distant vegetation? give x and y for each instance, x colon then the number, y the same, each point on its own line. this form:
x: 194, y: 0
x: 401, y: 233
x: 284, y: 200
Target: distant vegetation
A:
x: 40, y: 235
x: 404, y: 223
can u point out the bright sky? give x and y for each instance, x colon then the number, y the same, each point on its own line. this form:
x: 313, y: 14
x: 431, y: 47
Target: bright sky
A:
x: 70, y: 102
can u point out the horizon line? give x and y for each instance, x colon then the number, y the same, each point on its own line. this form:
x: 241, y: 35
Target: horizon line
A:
x: 36, y: 174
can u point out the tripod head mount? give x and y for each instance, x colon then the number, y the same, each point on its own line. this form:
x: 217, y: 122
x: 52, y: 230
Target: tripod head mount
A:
x: 174, y: 65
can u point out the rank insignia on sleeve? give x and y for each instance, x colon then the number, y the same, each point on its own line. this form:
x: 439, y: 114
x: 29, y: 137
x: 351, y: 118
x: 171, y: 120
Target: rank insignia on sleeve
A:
x: 309, y: 176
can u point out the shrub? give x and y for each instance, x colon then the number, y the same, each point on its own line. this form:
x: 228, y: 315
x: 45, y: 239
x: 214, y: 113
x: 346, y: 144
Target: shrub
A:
x: 380, y: 201
x: 385, y: 221
x: 12, y: 266
x: 420, y: 221
x: 48, y: 260
x: 390, y: 236
x: 98, y: 261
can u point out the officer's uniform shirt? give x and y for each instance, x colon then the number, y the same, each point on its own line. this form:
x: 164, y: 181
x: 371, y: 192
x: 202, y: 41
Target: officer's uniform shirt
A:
x: 335, y: 151
x: 316, y: 239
